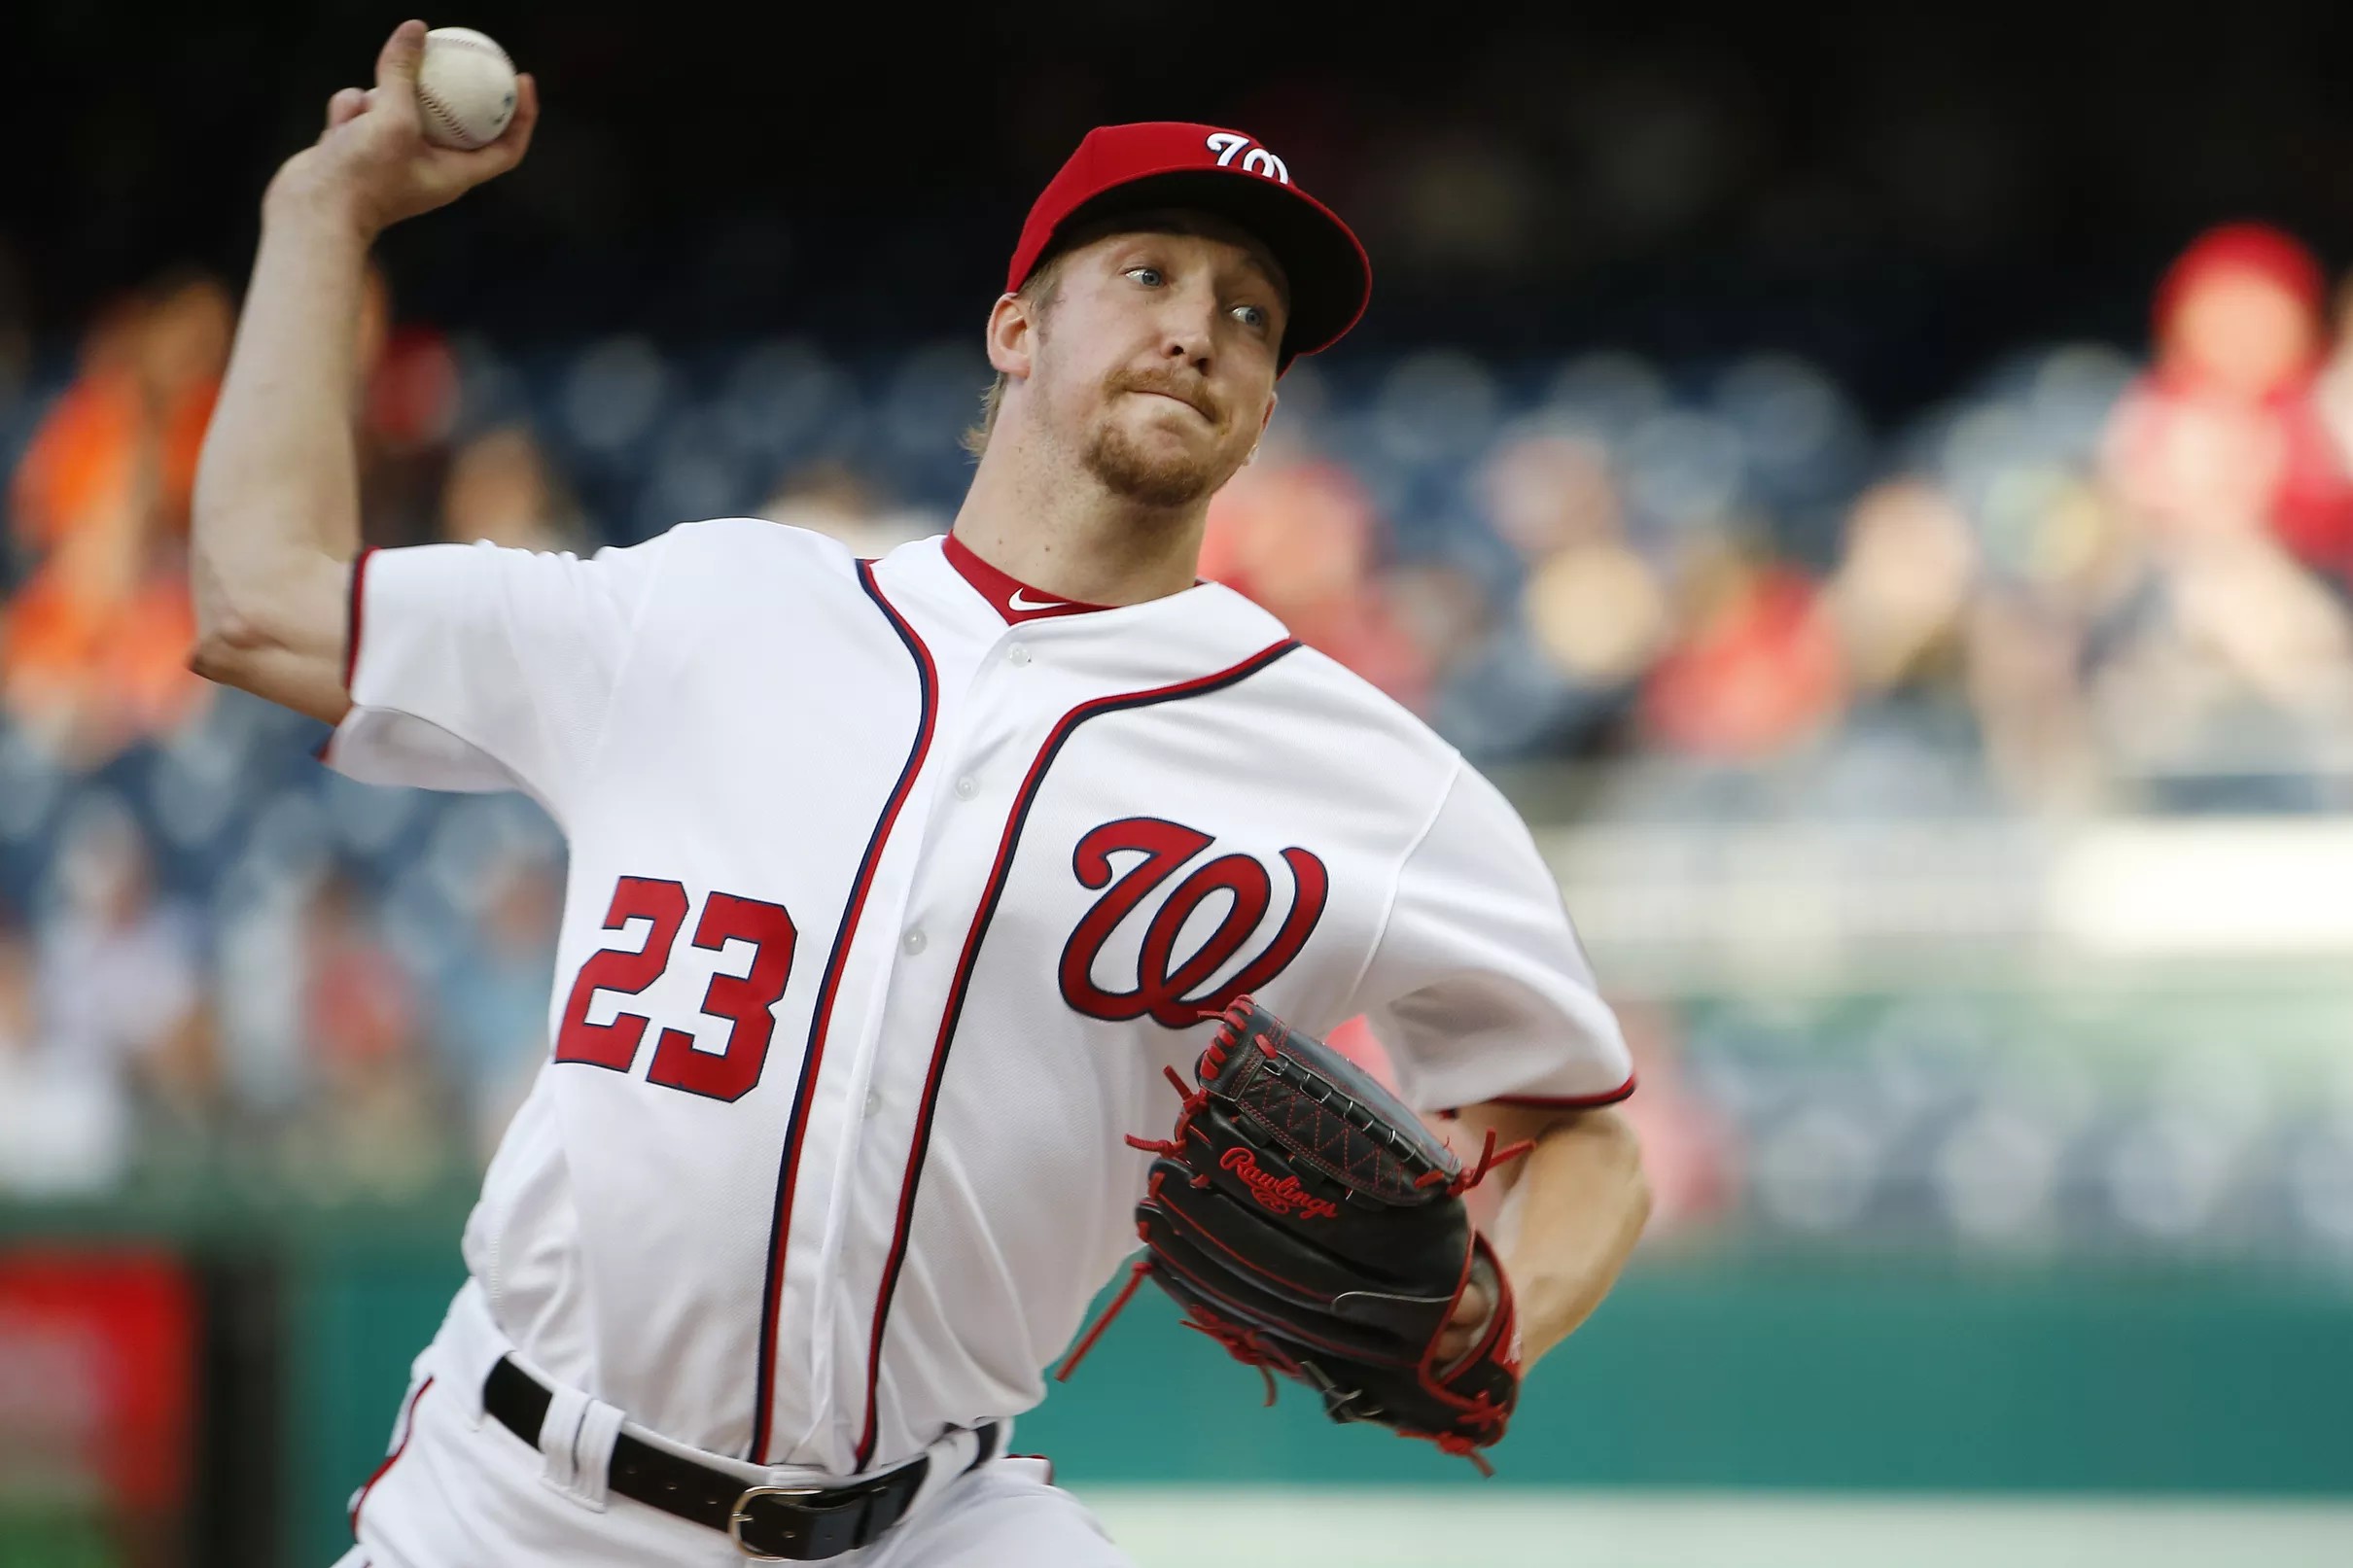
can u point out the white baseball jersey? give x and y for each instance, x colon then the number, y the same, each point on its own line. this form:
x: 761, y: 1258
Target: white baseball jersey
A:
x: 895, y: 885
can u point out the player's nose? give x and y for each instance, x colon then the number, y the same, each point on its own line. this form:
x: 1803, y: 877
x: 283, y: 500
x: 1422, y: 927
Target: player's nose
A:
x: 1188, y: 329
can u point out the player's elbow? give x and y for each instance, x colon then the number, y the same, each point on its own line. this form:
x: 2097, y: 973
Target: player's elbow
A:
x: 251, y: 611
x: 226, y: 639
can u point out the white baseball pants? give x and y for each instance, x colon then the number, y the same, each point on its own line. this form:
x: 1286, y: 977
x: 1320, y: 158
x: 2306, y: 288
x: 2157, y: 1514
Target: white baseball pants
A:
x: 459, y: 1490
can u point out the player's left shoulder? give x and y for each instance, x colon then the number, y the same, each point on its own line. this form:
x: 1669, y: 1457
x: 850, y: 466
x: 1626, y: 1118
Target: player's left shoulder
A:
x: 1315, y: 684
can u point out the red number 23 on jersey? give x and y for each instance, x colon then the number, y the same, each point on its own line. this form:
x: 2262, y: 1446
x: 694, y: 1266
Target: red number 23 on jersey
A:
x: 742, y: 999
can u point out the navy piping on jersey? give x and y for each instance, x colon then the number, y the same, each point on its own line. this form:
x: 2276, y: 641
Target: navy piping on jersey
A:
x: 821, y: 1017
x: 1022, y: 801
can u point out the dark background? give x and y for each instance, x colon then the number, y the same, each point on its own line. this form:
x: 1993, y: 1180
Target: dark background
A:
x: 1895, y: 191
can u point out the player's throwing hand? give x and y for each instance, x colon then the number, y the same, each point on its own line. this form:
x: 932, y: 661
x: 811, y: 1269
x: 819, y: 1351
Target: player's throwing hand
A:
x: 373, y: 159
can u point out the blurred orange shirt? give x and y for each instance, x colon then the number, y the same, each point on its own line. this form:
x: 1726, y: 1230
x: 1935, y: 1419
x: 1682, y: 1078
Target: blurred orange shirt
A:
x: 123, y: 660
x: 84, y: 462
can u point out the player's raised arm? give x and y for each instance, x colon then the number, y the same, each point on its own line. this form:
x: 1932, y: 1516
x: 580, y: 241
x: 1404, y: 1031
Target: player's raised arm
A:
x: 276, y: 515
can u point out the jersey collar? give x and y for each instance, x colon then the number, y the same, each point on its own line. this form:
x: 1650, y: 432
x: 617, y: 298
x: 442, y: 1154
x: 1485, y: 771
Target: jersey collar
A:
x: 1016, y: 601
x: 1150, y: 644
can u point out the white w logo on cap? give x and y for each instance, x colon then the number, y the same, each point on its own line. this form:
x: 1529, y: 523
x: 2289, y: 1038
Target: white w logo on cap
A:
x: 1226, y: 143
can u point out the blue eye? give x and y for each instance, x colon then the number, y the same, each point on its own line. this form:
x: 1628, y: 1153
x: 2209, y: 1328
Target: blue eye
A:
x: 1149, y: 276
x: 1252, y: 316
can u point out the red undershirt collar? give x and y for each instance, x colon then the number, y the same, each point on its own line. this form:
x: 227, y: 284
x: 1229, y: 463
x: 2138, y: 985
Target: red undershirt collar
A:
x: 1016, y: 601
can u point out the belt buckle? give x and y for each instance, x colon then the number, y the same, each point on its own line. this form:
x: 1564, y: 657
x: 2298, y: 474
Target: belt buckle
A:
x: 738, y: 1518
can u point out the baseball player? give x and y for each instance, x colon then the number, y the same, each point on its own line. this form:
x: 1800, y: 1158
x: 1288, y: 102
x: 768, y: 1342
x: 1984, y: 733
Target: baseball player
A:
x: 896, y: 886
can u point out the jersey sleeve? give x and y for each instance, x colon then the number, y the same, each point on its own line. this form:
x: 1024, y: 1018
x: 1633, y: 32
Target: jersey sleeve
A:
x: 1478, y: 986
x: 476, y: 667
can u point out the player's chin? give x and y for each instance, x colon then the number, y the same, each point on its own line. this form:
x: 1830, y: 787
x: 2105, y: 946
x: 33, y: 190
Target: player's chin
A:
x: 1155, y: 469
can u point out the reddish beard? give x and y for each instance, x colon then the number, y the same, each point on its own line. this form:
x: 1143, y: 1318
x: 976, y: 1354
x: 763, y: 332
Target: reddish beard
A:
x: 1162, y: 481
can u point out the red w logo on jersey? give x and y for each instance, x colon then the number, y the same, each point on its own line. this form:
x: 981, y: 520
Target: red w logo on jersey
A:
x: 1168, y: 987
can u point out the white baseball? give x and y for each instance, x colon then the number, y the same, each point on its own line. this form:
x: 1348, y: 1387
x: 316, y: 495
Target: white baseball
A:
x: 465, y: 89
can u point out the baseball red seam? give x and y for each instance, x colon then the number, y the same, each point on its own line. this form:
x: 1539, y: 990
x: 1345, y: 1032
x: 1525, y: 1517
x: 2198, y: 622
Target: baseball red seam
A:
x: 431, y: 104
x: 992, y: 889
x: 822, y: 1018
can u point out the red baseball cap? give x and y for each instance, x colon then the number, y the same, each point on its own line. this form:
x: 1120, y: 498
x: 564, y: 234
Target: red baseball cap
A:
x: 1175, y: 163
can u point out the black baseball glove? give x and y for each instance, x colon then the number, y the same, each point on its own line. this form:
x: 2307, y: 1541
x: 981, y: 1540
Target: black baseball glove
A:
x: 1306, y: 1220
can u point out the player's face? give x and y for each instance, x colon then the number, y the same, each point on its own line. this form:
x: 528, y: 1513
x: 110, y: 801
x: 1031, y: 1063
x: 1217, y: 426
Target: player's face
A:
x: 1156, y: 362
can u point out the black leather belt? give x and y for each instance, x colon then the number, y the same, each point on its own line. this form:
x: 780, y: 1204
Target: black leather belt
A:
x: 795, y: 1524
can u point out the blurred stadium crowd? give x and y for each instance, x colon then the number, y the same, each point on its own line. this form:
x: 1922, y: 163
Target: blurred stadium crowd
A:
x: 1710, y: 590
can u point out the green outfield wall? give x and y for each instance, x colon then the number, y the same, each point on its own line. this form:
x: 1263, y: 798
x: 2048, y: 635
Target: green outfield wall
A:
x: 1882, y: 1374
x: 1699, y: 1371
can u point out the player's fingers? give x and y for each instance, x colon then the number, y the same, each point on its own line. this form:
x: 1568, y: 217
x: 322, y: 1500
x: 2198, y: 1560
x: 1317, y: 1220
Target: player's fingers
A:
x: 1470, y: 1312
x: 515, y: 140
x: 396, y: 63
x: 345, y: 106
x: 1462, y: 1328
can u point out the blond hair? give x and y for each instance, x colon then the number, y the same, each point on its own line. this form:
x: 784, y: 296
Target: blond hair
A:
x: 1038, y: 289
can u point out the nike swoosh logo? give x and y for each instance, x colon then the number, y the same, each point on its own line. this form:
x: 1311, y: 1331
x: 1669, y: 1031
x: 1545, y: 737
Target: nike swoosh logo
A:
x: 1019, y: 602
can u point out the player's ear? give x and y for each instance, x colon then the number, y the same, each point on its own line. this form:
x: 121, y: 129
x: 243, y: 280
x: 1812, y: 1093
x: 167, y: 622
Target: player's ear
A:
x: 1268, y: 418
x: 1012, y: 334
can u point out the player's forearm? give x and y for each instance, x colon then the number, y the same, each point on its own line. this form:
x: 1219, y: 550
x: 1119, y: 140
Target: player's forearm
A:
x: 277, y: 489
x: 1581, y: 1201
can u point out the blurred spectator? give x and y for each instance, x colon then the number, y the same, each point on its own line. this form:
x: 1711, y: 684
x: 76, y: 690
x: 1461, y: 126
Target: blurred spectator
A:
x: 1301, y: 539
x: 93, y: 651
x: 119, y: 448
x: 1755, y: 667
x: 2222, y: 439
x: 61, y: 1121
x: 1900, y: 593
x: 409, y: 407
x: 493, y: 1001
x: 1442, y: 611
x: 1594, y: 605
x: 2025, y: 685
x: 828, y: 497
x: 118, y: 978
x: 378, y: 1124
x: 2333, y: 402
x: 501, y: 488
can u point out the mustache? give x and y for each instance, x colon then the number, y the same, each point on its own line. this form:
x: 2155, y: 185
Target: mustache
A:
x: 1171, y: 385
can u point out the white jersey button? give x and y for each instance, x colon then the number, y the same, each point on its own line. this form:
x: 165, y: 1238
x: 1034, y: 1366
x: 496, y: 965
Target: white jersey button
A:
x: 873, y: 1101
x: 914, y: 942
x: 1018, y: 655
x: 967, y: 788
